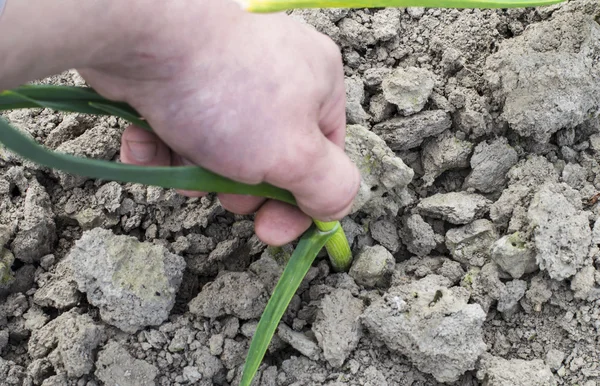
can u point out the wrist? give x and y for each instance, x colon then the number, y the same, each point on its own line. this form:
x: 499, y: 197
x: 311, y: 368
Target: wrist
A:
x: 42, y: 38
x: 162, y: 35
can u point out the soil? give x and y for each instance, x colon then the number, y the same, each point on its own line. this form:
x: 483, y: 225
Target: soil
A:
x: 476, y: 232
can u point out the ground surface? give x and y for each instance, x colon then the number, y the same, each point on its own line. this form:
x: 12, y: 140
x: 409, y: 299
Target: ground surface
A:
x: 475, y: 232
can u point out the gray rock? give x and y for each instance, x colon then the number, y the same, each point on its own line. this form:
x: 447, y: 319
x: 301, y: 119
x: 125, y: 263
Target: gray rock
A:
x: 384, y: 175
x: 547, y: 76
x: 490, y: 163
x: 444, y: 152
x: 355, y: 97
x: 180, y: 339
x: 380, y: 109
x: 268, y: 270
x: 554, y: 358
x: 538, y: 293
x: 56, y: 380
x: 372, y: 266
x: 386, y: 24
x: 584, y: 284
x: 3, y: 339
x: 133, y: 284
x: 451, y: 270
x: 191, y: 374
x: 496, y: 371
x: 40, y: 370
x: 374, y: 76
x: 470, y: 244
x: 36, y: 234
x: 574, y: 175
x: 318, y: 19
x: 352, y: 229
x: 207, y: 365
x: 302, y: 371
x: 511, y: 201
x: 242, y: 229
x: 68, y: 342
x: 71, y: 126
x: 374, y: 377
x: 7, y: 276
x: 432, y: 325
x: 514, y: 255
x: 6, y: 233
x: 57, y: 289
x: 11, y: 373
x: 233, y: 353
x: 99, y: 142
x: 485, y: 285
x: 409, y: 89
x: 200, y: 243
x: 299, y: 342
x: 385, y: 233
x: 561, y: 234
x: 404, y: 133
x: 337, y: 326
x: 241, y: 294
x: 454, y: 207
x: 215, y: 344
x: 508, y: 302
x: 533, y: 171
x: 417, y: 235
x: 35, y: 318
x: 116, y: 367
x: 355, y: 34
x: 109, y: 196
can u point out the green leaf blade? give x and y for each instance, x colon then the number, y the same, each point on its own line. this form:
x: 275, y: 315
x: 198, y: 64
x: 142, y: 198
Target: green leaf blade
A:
x: 62, y: 98
x: 305, y: 253
x: 184, y: 177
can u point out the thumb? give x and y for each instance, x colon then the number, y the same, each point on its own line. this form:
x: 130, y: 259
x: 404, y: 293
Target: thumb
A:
x: 323, y: 180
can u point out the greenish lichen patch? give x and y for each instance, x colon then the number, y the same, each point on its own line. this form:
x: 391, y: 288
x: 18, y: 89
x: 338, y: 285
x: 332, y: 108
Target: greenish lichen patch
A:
x: 6, y: 274
x: 138, y: 269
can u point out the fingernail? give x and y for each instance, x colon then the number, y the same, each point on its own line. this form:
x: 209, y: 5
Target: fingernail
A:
x: 142, y: 151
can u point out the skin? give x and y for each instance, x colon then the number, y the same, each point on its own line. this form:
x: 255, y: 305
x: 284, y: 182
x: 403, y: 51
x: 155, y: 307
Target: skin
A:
x: 256, y: 98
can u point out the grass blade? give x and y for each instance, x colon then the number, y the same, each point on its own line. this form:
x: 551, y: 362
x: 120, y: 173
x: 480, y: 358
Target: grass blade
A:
x: 309, y: 246
x: 264, y: 6
x: 184, y: 177
x: 62, y: 98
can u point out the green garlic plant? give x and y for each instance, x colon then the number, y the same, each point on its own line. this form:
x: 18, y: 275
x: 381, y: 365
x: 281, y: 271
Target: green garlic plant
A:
x: 323, y: 234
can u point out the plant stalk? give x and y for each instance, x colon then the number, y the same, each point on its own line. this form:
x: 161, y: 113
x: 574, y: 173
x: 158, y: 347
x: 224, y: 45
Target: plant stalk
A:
x: 267, y: 6
x: 337, y: 246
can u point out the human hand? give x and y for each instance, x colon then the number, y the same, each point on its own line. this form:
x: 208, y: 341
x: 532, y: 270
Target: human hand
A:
x: 256, y: 98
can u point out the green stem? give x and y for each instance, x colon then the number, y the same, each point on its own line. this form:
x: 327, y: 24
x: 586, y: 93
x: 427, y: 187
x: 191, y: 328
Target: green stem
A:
x: 309, y: 246
x: 337, y: 246
x: 267, y: 6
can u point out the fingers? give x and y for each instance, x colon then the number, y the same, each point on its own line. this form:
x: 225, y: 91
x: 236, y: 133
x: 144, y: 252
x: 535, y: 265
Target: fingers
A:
x: 140, y: 147
x: 240, y: 204
x: 332, y: 117
x: 277, y: 223
x: 320, y: 176
x: 143, y: 148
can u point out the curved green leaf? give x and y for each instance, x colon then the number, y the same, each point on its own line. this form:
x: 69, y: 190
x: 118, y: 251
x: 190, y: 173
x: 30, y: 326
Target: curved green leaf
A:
x: 309, y: 246
x: 182, y: 177
x: 64, y: 98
